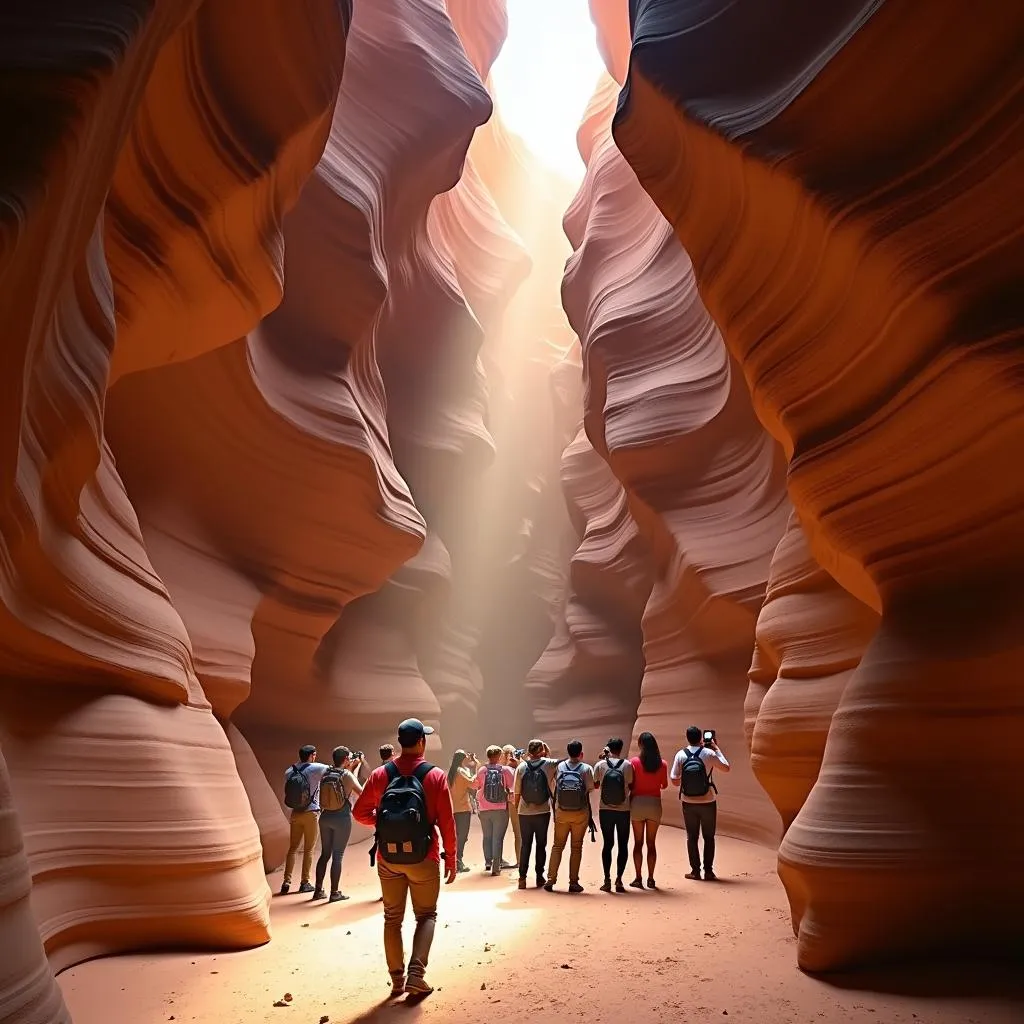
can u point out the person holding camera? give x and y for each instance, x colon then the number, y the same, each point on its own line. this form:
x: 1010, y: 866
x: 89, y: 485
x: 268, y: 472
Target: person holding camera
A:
x: 338, y: 784
x: 692, y: 774
x: 510, y: 757
x: 460, y: 782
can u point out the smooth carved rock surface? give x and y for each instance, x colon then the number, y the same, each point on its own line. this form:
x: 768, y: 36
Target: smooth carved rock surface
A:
x: 811, y: 635
x: 586, y: 684
x: 846, y: 180
x: 668, y: 410
x: 89, y: 638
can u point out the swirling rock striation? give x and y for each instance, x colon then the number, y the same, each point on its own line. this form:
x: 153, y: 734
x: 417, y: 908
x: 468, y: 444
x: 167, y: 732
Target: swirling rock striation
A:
x: 87, y: 627
x: 846, y: 180
x: 670, y: 413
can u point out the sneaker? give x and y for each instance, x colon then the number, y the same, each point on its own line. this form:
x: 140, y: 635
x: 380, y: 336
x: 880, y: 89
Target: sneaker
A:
x: 606, y: 885
x: 540, y: 881
x: 505, y: 866
x: 495, y: 871
x: 637, y: 883
x: 463, y: 869
x: 575, y: 887
x: 619, y: 887
x: 319, y: 895
x: 650, y: 884
x: 549, y: 886
x: 694, y: 875
x: 285, y: 889
x: 710, y: 876
x: 522, y: 883
x: 337, y: 897
x: 487, y: 866
x: 417, y: 985
x: 305, y: 887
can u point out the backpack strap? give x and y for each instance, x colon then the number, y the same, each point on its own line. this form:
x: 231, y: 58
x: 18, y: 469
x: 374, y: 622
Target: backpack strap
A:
x: 391, y: 770
x: 421, y: 771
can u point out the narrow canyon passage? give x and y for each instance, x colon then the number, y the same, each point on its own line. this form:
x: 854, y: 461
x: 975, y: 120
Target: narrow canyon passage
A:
x: 571, y: 369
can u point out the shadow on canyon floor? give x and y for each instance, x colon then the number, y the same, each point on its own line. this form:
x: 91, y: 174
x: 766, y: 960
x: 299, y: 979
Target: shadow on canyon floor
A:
x: 690, y: 951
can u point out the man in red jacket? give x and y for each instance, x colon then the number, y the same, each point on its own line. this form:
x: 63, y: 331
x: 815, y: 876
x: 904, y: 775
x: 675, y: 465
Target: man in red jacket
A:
x: 421, y: 881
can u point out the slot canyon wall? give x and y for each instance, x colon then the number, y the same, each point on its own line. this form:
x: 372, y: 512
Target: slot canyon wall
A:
x: 846, y: 182
x: 314, y: 418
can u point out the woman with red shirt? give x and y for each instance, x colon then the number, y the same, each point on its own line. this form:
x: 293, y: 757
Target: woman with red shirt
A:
x: 650, y: 777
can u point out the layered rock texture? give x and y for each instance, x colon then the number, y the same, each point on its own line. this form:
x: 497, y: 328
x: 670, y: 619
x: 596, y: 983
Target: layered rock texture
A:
x: 669, y: 411
x: 846, y: 181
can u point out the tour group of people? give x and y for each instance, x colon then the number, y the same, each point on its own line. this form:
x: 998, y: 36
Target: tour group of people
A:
x: 421, y: 816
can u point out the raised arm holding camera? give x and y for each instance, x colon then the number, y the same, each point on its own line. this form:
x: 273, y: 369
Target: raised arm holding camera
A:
x: 692, y: 773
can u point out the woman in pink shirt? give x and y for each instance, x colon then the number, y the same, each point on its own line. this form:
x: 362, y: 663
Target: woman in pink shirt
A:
x: 493, y: 783
x: 650, y: 777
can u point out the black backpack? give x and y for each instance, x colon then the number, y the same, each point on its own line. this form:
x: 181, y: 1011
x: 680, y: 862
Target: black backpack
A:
x: 696, y: 781
x: 534, y: 787
x: 297, y: 794
x: 495, y: 791
x: 570, y: 789
x: 613, y: 783
x: 404, y: 829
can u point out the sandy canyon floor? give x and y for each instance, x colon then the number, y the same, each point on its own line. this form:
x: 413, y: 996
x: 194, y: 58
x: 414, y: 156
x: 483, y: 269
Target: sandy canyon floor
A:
x: 691, y: 952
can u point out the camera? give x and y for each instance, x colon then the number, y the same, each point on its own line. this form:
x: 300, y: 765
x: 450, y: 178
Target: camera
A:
x: 709, y: 736
x: 358, y: 755
x: 519, y: 751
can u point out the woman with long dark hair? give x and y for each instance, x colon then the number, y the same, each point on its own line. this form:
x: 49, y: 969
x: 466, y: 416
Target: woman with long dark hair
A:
x: 650, y: 777
x: 460, y: 781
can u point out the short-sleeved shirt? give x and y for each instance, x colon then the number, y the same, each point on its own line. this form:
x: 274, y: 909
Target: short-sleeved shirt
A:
x: 461, y: 785
x: 647, y: 783
x: 508, y: 780
x: 601, y: 769
x: 710, y: 758
x: 549, y: 764
x: 585, y: 771
x: 314, y: 772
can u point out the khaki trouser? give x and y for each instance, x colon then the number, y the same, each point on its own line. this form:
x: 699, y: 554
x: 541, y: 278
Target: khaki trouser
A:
x: 513, y: 817
x: 568, y: 823
x: 422, y: 882
x: 303, y: 827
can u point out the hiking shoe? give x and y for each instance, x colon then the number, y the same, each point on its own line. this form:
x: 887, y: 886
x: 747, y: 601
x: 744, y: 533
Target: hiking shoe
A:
x: 305, y: 887
x: 549, y: 886
x: 540, y: 881
x: 505, y: 866
x: 575, y: 887
x: 337, y: 897
x: 650, y: 884
x: 619, y: 887
x: 319, y: 895
x: 637, y: 883
x: 710, y: 876
x: 694, y: 875
x: 463, y: 869
x: 606, y: 885
x: 522, y: 883
x: 285, y: 889
x: 487, y: 865
x: 495, y: 871
x: 417, y: 985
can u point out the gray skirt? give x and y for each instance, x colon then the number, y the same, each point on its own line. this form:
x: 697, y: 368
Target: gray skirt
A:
x: 645, y: 808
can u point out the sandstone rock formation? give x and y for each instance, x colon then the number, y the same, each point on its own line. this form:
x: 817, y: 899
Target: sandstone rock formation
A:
x: 811, y: 635
x: 846, y: 180
x: 671, y: 414
x: 160, y: 109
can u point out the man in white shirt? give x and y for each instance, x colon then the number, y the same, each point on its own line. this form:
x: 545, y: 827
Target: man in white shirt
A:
x: 691, y: 773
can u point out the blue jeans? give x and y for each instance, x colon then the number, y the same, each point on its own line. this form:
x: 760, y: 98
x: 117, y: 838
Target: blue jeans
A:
x: 495, y: 825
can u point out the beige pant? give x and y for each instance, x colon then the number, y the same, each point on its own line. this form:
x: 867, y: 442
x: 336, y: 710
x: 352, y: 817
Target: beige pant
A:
x: 421, y: 882
x: 568, y: 823
x: 513, y: 816
x: 303, y: 827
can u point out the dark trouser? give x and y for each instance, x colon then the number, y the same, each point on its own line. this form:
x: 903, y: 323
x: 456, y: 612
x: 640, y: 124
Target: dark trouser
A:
x: 614, y: 823
x: 495, y: 825
x: 533, y: 827
x: 462, y: 823
x: 335, y: 830
x: 700, y: 818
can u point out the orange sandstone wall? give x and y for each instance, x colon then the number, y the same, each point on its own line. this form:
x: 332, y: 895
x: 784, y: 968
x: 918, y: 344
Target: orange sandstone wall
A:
x: 121, y: 233
x: 846, y: 181
x: 670, y: 413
